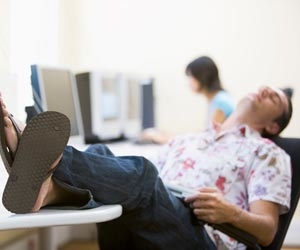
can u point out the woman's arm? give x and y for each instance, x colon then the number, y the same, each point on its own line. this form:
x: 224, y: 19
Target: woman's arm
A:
x: 218, y: 116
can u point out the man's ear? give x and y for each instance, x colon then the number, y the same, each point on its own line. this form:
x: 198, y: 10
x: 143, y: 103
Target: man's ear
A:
x: 272, y: 128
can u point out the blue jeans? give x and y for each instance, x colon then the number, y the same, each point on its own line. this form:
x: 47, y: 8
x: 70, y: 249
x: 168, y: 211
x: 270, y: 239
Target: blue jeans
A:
x: 152, y: 217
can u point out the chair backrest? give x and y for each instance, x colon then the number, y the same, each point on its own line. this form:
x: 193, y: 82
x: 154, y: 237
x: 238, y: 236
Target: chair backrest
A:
x: 292, y: 147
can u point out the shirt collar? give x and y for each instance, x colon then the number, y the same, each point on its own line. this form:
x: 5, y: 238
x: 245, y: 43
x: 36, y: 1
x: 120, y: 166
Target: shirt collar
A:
x: 242, y: 130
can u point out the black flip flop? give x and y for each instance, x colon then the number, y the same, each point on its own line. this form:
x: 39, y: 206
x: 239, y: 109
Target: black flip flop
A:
x: 6, y: 154
x: 43, y: 141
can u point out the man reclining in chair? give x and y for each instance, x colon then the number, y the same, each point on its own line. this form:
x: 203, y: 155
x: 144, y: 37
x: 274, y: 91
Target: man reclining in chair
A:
x: 238, y: 177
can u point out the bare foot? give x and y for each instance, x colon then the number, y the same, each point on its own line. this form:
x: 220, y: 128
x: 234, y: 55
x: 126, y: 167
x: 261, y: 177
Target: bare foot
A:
x: 47, y: 194
x: 10, y: 132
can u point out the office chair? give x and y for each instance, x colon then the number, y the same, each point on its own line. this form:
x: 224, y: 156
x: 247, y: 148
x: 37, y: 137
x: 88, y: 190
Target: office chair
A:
x: 292, y: 147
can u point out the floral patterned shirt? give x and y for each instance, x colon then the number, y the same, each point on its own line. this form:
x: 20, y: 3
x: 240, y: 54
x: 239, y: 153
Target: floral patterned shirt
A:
x: 244, y: 166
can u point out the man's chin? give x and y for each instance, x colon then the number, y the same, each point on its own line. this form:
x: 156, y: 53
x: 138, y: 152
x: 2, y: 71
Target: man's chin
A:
x: 246, y: 101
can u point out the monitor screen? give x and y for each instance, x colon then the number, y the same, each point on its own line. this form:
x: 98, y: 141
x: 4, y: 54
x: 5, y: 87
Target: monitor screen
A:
x: 133, y: 99
x: 110, y: 101
x: 53, y: 89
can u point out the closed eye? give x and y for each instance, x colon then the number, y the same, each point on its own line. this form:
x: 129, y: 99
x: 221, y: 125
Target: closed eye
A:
x: 275, y: 98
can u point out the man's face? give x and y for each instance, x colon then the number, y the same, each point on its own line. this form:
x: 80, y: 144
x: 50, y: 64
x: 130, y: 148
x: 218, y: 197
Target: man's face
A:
x: 265, y: 105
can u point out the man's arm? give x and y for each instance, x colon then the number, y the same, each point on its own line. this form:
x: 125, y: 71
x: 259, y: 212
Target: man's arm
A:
x: 261, y: 221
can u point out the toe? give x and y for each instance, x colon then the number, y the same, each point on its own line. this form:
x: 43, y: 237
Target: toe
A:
x: 10, y: 135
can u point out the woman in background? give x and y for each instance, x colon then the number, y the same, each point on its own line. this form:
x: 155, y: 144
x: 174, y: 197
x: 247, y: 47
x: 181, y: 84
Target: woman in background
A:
x: 204, y: 79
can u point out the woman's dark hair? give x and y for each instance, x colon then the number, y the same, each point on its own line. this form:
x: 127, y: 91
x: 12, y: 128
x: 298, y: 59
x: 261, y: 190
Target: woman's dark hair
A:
x: 204, y: 70
x: 284, y: 119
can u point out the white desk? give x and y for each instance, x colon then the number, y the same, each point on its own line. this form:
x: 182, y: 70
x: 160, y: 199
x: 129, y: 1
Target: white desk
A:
x: 126, y: 148
x: 46, y: 218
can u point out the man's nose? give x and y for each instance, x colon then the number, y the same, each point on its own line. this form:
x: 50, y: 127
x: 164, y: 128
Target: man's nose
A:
x: 265, y: 91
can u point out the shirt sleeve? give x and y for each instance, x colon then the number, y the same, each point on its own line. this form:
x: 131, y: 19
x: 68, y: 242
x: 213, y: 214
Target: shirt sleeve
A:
x: 270, y: 176
x: 225, y: 104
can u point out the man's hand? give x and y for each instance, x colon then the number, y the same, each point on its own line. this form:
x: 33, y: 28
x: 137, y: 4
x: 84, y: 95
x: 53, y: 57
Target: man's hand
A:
x: 211, y: 206
x: 261, y: 220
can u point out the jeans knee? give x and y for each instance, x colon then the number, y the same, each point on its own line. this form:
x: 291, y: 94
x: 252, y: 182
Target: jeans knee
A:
x: 99, y: 149
x: 149, y: 167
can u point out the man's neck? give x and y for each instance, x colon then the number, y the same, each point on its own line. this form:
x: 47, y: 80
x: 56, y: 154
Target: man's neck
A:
x: 235, y: 120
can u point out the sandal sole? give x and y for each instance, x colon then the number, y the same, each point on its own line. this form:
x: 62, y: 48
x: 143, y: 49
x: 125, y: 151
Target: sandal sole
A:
x: 42, y: 142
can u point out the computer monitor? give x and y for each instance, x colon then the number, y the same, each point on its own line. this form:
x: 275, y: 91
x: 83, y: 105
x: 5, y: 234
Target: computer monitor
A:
x: 148, y: 103
x: 100, y: 101
x: 54, y: 89
x: 138, y: 105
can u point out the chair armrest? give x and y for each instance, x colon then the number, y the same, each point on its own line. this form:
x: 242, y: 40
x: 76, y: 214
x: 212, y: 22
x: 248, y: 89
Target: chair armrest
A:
x: 240, y: 235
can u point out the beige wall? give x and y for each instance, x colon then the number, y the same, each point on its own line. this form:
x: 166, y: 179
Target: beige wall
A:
x: 7, y: 78
x: 4, y: 35
x: 254, y: 42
